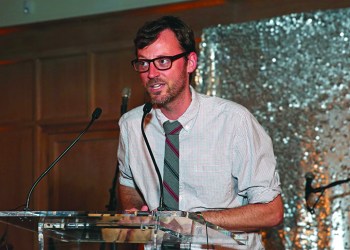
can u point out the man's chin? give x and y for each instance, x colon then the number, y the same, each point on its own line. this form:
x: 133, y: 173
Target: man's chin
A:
x: 160, y: 101
x: 157, y: 102
x: 156, y: 98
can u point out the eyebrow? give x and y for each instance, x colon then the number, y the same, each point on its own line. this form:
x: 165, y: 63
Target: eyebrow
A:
x: 144, y: 58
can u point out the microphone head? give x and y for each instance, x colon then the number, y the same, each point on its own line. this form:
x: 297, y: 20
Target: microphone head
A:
x: 147, y: 108
x: 96, y: 114
x: 126, y: 92
x: 309, y: 175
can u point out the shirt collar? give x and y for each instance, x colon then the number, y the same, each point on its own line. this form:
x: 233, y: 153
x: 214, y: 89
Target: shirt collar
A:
x: 189, y: 117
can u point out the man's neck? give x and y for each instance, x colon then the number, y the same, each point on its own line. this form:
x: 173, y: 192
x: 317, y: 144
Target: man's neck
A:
x: 178, y: 106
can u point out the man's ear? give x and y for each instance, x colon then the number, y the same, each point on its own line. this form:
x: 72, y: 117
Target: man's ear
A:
x: 191, y: 62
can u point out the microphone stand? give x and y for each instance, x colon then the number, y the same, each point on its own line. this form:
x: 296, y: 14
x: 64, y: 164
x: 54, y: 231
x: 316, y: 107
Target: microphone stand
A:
x: 321, y: 190
x: 112, y: 204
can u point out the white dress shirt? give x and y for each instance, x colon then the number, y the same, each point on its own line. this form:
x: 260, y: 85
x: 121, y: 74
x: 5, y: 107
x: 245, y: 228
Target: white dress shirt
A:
x: 226, y: 158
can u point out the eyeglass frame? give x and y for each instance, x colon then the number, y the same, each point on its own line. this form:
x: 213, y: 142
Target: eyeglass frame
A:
x: 149, y: 61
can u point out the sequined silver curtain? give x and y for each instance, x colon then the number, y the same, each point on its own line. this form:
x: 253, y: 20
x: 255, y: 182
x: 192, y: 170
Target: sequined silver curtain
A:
x: 293, y: 73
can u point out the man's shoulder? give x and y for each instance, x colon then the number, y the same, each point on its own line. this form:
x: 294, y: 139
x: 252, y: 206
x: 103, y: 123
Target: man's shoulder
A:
x: 214, y: 103
x: 133, y: 115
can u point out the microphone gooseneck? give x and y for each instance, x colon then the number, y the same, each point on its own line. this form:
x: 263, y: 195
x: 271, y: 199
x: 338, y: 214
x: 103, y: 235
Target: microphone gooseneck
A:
x: 95, y: 115
x: 146, y: 109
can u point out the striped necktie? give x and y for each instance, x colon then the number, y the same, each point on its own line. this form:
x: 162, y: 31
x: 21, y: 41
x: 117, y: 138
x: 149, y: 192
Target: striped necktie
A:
x: 171, y: 164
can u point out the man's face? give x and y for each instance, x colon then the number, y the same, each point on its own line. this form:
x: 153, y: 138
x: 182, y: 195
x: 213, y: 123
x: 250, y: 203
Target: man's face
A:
x: 164, y: 86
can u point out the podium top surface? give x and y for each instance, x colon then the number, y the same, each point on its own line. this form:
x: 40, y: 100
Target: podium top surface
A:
x: 113, y: 227
x: 30, y: 219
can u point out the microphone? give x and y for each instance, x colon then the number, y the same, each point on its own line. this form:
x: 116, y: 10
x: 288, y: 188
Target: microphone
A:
x: 308, y: 187
x: 146, y: 109
x: 95, y: 115
x: 125, y: 98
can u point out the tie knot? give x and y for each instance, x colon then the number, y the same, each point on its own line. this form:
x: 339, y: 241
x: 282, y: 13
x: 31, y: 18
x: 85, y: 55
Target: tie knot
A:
x: 172, y: 128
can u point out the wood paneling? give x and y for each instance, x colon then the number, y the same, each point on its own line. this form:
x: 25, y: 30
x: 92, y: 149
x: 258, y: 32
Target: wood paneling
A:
x: 112, y: 73
x: 63, y: 87
x: 81, y: 180
x: 16, y: 173
x: 17, y: 92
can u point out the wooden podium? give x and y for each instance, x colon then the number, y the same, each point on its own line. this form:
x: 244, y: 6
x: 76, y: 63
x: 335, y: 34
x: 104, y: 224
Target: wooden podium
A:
x: 155, y: 229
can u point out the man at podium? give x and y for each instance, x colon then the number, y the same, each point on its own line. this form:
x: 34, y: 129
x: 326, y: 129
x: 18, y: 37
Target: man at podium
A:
x: 213, y: 155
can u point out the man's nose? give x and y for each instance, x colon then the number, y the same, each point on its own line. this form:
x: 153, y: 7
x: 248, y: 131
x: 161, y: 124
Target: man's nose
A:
x: 152, y: 71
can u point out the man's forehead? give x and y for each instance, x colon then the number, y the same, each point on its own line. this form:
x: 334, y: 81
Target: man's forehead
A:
x: 164, y: 45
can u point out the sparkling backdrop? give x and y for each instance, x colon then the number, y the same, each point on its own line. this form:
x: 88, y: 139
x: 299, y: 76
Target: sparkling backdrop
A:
x: 293, y: 73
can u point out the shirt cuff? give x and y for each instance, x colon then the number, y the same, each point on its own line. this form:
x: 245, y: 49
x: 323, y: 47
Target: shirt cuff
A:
x: 263, y: 194
x: 126, y: 181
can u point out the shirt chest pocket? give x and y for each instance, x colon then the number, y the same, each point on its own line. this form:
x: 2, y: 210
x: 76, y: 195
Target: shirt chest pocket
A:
x: 210, y: 184
x: 215, y: 164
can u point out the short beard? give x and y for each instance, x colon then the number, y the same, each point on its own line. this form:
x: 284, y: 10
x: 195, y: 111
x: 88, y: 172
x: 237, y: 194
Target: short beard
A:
x: 173, y: 92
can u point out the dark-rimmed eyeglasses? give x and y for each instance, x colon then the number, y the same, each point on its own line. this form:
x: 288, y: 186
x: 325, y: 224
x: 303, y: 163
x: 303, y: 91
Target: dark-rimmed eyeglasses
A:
x: 161, y: 63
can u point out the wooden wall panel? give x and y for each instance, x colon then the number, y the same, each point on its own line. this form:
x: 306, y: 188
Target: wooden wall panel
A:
x: 112, y: 73
x: 16, y: 165
x: 17, y: 238
x: 64, y: 88
x: 16, y: 173
x: 17, y: 92
x: 82, y: 179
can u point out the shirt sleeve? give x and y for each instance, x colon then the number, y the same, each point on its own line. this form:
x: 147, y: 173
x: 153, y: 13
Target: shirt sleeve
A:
x: 256, y: 174
x: 125, y: 176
